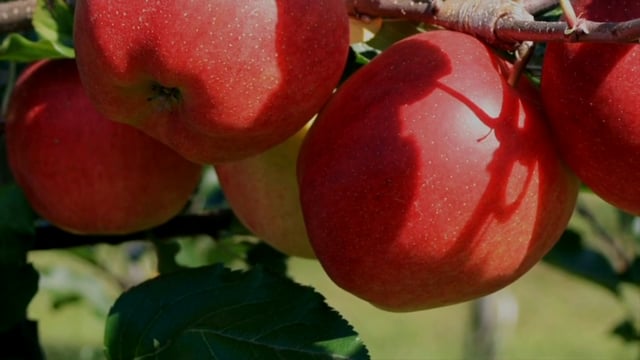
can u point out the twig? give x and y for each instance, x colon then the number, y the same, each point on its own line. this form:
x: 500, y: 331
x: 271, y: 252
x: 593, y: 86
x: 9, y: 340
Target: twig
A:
x: 502, y: 23
x: 16, y: 15
x: 588, y: 31
x: 569, y: 14
x: 50, y: 237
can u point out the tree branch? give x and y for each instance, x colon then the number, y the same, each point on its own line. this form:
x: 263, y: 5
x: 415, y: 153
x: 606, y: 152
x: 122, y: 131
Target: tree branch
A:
x: 50, y: 237
x: 501, y: 23
x: 16, y: 15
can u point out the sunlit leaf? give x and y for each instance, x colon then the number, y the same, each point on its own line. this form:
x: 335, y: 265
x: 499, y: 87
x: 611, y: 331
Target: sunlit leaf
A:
x: 215, y: 313
x: 53, y: 21
x: 18, y: 48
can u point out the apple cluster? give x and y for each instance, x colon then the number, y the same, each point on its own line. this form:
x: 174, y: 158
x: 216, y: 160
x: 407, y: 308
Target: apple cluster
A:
x: 114, y: 142
x: 428, y: 180
x: 425, y: 179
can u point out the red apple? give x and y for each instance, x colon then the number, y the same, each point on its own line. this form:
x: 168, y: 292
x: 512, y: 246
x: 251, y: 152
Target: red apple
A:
x: 591, y: 94
x: 215, y: 80
x: 82, y: 172
x: 427, y: 180
x: 263, y: 192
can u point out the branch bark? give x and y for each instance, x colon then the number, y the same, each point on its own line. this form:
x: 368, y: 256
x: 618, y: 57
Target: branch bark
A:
x: 50, y: 237
x: 501, y: 23
x: 16, y: 15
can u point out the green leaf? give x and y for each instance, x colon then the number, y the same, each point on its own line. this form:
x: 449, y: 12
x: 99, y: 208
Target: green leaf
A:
x: 53, y: 21
x: 166, y: 254
x: 627, y: 331
x: 18, y: 280
x: 268, y: 258
x: 632, y: 273
x: 21, y: 342
x: 571, y: 255
x: 215, y: 313
x: 392, y: 32
x: 18, y: 48
x: 18, y: 285
x: 16, y: 225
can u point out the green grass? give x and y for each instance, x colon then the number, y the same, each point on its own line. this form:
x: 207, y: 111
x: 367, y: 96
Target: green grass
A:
x: 559, y: 317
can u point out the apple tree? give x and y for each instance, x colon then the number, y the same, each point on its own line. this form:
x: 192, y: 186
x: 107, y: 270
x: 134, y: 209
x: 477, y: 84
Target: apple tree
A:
x: 426, y: 153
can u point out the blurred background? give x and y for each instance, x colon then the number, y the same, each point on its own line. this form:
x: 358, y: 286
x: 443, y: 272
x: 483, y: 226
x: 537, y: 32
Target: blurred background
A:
x: 568, y: 307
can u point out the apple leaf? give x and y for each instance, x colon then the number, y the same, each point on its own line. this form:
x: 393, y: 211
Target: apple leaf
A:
x: 18, y: 284
x: 627, y: 331
x: 18, y: 48
x: 16, y: 226
x: 53, y: 21
x: 53, y: 24
x: 21, y: 342
x: 18, y: 280
x: 392, y: 32
x: 572, y: 256
x: 215, y: 313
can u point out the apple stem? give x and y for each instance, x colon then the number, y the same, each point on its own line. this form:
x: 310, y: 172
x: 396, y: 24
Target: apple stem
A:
x: 569, y: 14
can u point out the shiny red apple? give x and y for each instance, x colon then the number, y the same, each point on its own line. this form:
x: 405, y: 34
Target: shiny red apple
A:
x: 427, y: 180
x: 216, y: 80
x: 591, y: 94
x: 82, y: 172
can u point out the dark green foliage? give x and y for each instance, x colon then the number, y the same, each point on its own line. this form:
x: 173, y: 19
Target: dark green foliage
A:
x: 215, y: 313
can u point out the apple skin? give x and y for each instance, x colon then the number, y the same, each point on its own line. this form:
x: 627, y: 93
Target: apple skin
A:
x: 263, y: 192
x: 215, y: 80
x: 591, y: 94
x: 82, y: 172
x: 440, y: 184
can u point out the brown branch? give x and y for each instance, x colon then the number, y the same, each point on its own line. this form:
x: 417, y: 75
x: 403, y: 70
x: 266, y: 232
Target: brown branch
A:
x: 16, y: 15
x: 50, y: 237
x: 502, y: 23
x: 510, y: 30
